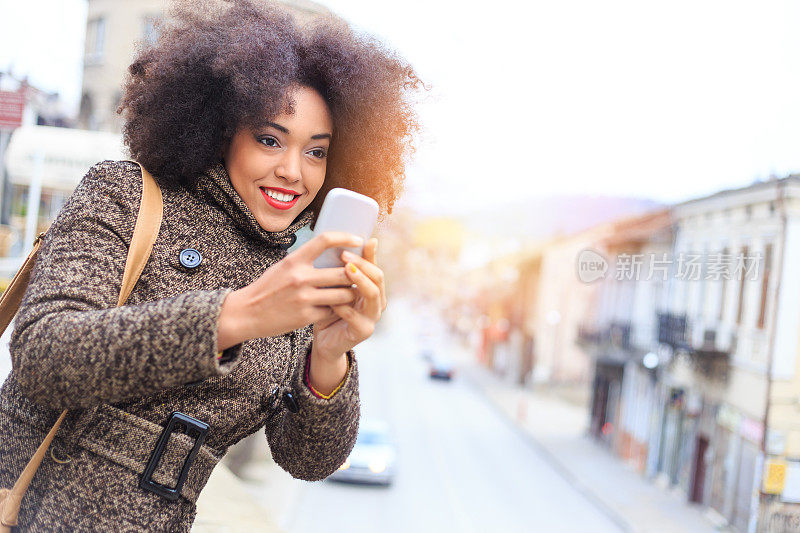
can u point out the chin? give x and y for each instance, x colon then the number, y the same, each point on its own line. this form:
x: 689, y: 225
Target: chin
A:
x: 274, y: 226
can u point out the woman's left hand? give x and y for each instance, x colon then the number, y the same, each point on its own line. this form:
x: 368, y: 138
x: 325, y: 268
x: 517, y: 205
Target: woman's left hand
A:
x: 356, y: 321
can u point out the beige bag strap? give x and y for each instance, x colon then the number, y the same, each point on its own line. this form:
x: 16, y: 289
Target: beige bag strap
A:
x: 145, y: 232
x: 12, y: 296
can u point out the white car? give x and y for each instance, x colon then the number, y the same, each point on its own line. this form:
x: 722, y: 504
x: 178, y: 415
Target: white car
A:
x: 373, y: 456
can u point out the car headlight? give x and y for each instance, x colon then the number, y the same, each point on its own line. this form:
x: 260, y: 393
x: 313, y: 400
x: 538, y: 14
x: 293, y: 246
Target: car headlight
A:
x: 376, y: 467
x: 345, y: 465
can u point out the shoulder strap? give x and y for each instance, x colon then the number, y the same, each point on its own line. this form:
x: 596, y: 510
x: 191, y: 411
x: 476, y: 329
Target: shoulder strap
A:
x: 145, y: 232
x: 148, y: 222
x: 12, y: 296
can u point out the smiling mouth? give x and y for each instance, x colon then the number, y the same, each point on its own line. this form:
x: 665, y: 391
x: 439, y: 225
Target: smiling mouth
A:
x: 277, y: 199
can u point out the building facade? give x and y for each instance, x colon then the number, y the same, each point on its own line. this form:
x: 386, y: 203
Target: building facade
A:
x: 114, y: 30
x: 696, y: 372
x: 736, y: 348
x: 621, y: 331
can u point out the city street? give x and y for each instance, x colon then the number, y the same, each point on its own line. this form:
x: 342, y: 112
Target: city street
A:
x: 460, y: 465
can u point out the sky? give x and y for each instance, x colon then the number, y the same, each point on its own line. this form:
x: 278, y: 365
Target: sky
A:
x: 635, y: 98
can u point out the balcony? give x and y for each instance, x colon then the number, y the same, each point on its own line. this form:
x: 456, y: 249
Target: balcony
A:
x: 708, y: 348
x: 716, y: 341
x: 615, y: 334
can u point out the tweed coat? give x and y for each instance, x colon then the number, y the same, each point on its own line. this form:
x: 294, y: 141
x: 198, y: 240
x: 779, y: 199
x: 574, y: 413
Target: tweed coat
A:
x: 121, y: 371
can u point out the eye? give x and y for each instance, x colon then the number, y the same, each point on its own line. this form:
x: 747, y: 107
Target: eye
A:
x: 318, y: 153
x: 268, y: 141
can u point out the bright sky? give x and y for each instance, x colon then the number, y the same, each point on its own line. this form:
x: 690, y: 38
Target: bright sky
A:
x: 667, y: 100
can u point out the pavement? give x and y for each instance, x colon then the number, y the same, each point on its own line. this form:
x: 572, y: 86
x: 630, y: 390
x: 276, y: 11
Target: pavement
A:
x: 558, y: 429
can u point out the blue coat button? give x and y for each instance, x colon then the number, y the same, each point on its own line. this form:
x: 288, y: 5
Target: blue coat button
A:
x: 190, y: 258
x: 290, y: 402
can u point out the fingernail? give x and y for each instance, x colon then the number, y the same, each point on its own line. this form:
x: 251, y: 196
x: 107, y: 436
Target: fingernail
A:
x: 358, y: 241
x: 352, y: 268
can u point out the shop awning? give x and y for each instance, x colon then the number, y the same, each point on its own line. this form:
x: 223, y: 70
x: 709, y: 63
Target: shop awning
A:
x: 66, y: 154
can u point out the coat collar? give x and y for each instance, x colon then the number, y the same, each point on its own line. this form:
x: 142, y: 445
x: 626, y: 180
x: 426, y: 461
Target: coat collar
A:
x: 214, y: 186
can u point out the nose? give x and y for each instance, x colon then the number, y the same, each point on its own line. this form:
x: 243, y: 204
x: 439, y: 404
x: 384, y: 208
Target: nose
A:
x: 289, y: 167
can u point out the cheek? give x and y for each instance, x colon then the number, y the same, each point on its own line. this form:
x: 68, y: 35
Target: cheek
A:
x: 239, y: 163
x: 245, y: 154
x: 315, y: 178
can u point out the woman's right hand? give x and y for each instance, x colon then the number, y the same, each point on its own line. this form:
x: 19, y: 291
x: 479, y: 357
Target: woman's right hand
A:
x: 289, y: 295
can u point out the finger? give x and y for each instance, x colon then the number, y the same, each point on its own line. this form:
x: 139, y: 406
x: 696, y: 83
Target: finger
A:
x: 323, y: 315
x: 370, y: 251
x: 329, y: 239
x: 371, y: 270
x: 372, y: 257
x: 332, y: 296
x: 367, y: 289
x: 329, y: 319
x: 360, y: 325
x: 329, y: 277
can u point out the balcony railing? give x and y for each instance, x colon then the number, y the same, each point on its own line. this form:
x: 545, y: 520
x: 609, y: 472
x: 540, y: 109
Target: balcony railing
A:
x: 616, y: 334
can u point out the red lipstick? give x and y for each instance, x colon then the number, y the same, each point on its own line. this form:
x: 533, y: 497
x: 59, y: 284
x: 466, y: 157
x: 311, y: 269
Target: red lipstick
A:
x: 277, y: 204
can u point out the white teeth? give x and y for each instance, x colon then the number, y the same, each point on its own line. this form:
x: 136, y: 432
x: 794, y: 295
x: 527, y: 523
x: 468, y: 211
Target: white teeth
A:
x: 279, y: 195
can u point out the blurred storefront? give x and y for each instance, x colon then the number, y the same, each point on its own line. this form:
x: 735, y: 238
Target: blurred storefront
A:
x: 43, y: 165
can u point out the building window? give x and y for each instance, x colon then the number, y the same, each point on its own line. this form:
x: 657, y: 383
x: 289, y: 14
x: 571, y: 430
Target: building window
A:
x: 748, y: 211
x: 762, y: 310
x: 150, y: 29
x: 95, y: 40
x: 740, y: 305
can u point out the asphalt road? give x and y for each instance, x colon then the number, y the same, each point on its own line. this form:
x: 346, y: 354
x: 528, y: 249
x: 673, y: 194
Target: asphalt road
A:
x: 461, y: 466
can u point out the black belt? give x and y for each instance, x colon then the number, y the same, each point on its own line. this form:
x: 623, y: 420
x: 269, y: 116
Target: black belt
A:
x: 171, y: 464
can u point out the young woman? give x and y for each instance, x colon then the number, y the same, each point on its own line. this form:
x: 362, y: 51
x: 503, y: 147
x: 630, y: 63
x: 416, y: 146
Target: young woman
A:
x: 245, y: 121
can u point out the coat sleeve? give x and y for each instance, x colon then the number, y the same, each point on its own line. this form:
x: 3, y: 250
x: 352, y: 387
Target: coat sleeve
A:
x: 314, y: 442
x: 71, y: 345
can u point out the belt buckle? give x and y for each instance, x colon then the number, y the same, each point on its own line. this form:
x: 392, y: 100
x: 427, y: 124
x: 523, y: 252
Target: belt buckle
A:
x: 193, y: 426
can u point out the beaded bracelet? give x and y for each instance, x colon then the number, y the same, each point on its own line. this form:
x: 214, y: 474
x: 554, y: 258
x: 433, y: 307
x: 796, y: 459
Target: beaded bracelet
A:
x: 315, y: 391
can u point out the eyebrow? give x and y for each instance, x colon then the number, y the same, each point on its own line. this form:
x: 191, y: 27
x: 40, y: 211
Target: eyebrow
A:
x: 285, y: 130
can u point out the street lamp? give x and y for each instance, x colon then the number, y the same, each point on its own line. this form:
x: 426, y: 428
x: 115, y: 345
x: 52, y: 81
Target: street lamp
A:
x: 650, y: 360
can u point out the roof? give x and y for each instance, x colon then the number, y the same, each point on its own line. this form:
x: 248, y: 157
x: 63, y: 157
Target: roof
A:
x: 639, y: 229
x: 792, y: 179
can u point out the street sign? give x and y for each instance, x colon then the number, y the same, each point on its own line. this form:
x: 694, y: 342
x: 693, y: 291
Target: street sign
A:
x: 12, y: 104
x: 775, y: 476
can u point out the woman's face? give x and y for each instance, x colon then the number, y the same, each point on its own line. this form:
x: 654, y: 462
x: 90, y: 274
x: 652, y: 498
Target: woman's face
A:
x: 279, y: 169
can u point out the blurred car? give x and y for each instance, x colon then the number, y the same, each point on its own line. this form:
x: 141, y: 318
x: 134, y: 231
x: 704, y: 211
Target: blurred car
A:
x: 373, y: 456
x: 441, y: 368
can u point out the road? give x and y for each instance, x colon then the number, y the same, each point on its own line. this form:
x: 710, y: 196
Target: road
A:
x: 461, y: 465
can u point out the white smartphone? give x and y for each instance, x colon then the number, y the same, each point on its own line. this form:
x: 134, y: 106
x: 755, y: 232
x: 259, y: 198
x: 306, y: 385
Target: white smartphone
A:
x: 348, y: 211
